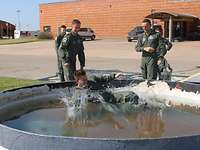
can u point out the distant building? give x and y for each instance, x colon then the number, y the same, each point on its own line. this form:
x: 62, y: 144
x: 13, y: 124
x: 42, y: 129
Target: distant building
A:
x: 115, y: 18
x: 6, y: 29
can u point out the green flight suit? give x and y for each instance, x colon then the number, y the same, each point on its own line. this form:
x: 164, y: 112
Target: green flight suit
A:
x: 59, y: 61
x: 101, y: 84
x: 164, y: 69
x: 149, y: 60
x: 163, y: 46
x: 71, y: 47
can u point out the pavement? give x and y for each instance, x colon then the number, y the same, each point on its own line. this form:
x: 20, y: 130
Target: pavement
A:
x: 38, y: 59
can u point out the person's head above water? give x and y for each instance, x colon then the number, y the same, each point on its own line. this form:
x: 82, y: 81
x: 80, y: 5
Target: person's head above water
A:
x: 81, y: 78
x: 76, y: 25
x: 146, y: 25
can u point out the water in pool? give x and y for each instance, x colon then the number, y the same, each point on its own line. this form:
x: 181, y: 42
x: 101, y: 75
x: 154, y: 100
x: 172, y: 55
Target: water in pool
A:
x: 142, y: 123
x: 159, y: 118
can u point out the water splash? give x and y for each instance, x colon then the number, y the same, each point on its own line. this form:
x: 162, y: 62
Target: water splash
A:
x: 158, y: 95
x: 77, y: 103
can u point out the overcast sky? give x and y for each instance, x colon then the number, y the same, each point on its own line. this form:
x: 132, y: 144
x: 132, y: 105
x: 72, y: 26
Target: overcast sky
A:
x: 29, y: 12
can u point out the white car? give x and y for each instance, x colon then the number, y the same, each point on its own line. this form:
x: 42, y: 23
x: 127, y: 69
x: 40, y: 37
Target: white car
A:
x: 87, y: 33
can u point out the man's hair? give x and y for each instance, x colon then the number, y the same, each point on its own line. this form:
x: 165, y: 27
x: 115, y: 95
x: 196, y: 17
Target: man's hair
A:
x: 63, y: 26
x: 79, y: 73
x: 76, y: 21
x: 146, y: 21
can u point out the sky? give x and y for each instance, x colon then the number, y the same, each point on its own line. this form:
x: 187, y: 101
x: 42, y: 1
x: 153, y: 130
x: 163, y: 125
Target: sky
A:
x: 29, y: 12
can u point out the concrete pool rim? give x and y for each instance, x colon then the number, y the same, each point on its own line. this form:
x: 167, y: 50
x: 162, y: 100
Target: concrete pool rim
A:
x: 164, y: 140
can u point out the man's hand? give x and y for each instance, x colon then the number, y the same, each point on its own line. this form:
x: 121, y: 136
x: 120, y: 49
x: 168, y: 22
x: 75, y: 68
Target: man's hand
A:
x: 66, y: 65
x: 149, y: 49
x: 119, y: 76
x: 159, y: 61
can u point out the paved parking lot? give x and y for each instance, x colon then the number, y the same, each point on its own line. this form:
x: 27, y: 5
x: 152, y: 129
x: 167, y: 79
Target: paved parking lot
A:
x: 38, y: 60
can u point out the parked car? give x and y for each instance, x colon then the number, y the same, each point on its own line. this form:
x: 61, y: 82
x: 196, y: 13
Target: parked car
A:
x: 87, y: 33
x: 194, y: 35
x: 134, y: 34
x: 35, y: 33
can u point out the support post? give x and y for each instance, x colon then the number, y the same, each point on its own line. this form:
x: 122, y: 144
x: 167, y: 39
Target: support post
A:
x: 170, y: 28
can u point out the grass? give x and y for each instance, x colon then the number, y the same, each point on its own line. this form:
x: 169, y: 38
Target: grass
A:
x: 19, y: 41
x: 9, y: 83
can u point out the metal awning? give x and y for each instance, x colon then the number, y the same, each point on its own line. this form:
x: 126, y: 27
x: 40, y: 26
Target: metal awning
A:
x: 162, y: 15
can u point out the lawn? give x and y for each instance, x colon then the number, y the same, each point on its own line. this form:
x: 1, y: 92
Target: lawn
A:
x: 9, y: 83
x: 19, y: 41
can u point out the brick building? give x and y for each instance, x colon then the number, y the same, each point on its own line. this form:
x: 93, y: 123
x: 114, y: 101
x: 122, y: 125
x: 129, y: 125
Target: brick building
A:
x: 115, y: 18
x: 6, y: 29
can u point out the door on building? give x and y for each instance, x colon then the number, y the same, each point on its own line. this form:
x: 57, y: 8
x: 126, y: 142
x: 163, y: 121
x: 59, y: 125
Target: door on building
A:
x: 179, y: 30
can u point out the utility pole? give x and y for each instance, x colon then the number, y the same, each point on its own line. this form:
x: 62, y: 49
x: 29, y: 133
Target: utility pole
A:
x: 18, y: 17
x: 27, y: 27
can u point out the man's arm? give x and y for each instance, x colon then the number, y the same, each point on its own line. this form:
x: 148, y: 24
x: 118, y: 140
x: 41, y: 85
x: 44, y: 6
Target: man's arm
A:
x: 168, y: 44
x: 63, y: 49
x: 139, y: 46
x: 56, y: 43
x: 164, y: 46
x: 105, y: 78
x: 161, y: 49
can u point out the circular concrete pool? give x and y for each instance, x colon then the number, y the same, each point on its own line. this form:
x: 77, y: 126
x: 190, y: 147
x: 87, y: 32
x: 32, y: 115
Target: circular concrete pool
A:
x: 34, y: 118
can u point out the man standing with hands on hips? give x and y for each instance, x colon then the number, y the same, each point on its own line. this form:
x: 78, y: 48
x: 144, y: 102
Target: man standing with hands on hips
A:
x: 71, y: 47
x: 147, y: 44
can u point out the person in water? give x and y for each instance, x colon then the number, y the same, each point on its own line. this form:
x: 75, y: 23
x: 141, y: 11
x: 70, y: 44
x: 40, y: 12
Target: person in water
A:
x: 100, y: 84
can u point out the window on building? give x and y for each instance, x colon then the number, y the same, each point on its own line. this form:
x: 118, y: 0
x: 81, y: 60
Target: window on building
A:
x: 47, y: 28
x: 83, y: 29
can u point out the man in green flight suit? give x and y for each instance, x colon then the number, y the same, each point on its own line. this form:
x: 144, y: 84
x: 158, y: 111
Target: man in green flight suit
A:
x: 164, y: 69
x: 58, y: 41
x: 70, y: 47
x: 147, y: 44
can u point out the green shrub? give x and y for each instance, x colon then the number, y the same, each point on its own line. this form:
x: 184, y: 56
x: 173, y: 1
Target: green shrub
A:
x: 45, y: 35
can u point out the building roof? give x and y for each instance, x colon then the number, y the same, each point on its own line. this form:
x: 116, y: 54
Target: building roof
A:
x: 5, y: 22
x: 163, y: 15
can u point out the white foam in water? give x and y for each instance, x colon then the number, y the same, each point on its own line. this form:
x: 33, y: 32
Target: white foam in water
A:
x: 2, y: 148
x: 160, y: 92
x: 158, y: 95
